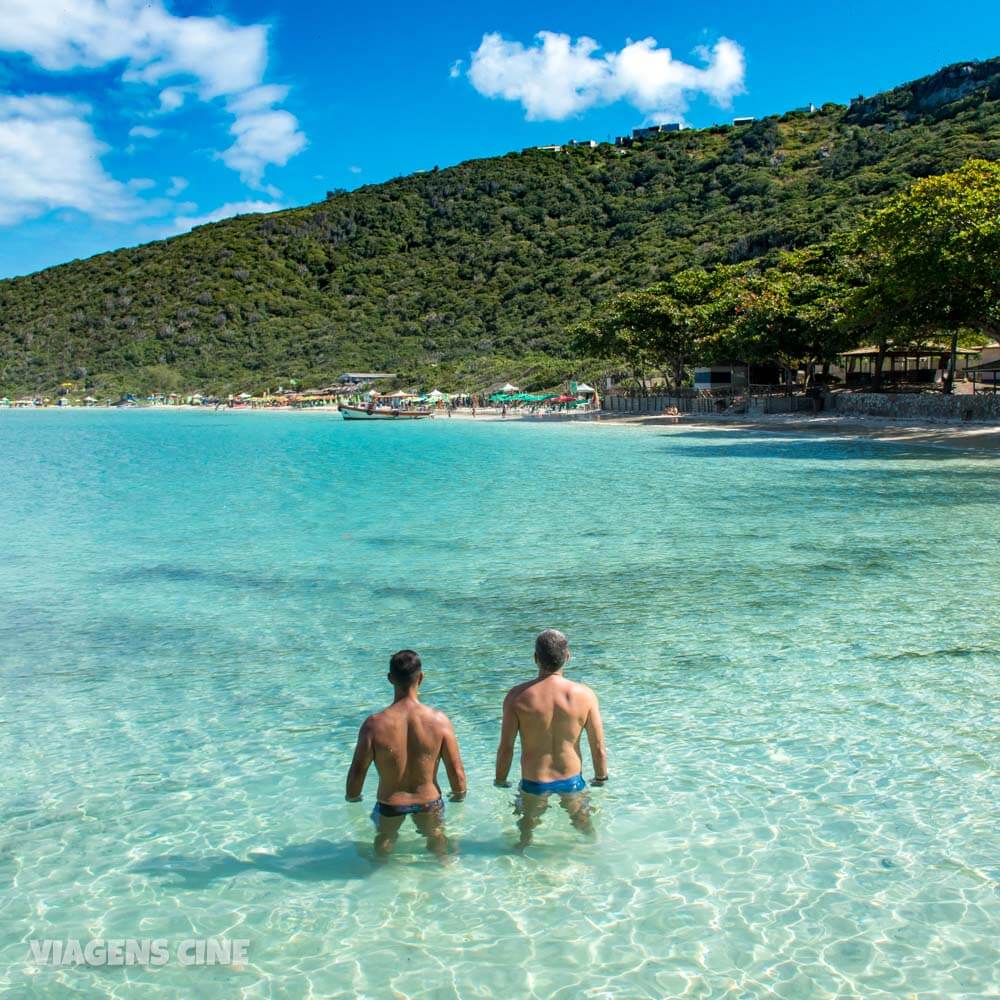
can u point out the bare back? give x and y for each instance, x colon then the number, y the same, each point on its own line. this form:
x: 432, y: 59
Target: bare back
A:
x: 551, y: 713
x: 407, y: 740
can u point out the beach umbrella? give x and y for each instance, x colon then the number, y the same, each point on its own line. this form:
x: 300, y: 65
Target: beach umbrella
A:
x: 508, y: 388
x: 435, y: 394
x: 583, y: 389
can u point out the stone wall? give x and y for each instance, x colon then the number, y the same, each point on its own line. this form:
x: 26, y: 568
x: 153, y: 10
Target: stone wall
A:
x: 983, y: 407
x: 917, y: 406
x: 707, y: 406
x: 657, y: 404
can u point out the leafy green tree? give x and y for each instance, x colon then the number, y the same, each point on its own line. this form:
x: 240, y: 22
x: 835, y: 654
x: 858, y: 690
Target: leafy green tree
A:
x: 662, y: 327
x: 617, y: 333
x: 791, y: 312
x: 930, y: 259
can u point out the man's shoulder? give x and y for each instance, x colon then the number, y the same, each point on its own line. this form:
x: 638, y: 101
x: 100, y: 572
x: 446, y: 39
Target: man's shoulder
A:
x: 374, y: 721
x: 517, y: 690
x: 583, y: 690
x: 435, y: 715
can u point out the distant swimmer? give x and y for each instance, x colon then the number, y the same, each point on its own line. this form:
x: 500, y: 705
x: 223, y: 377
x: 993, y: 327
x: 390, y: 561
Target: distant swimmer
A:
x: 406, y: 741
x: 551, y: 713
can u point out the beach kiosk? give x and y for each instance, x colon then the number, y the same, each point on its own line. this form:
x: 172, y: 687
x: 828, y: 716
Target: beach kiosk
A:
x: 985, y: 376
x: 719, y: 378
x: 906, y: 364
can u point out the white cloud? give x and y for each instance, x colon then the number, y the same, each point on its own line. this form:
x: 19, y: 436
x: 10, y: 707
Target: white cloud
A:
x: 557, y: 76
x: 215, y: 56
x: 50, y: 159
x: 186, y: 222
x: 554, y: 79
x: 177, y: 185
x: 258, y: 98
x: 262, y: 137
x: 171, y: 98
x: 653, y: 81
x: 354, y: 169
x: 143, y: 132
x: 69, y: 34
x: 456, y: 69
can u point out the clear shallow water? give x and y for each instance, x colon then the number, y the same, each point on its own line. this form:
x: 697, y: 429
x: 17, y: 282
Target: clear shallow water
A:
x: 794, y: 640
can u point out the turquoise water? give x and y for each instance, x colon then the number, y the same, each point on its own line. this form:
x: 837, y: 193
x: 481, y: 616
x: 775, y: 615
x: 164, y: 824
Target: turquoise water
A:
x: 794, y: 640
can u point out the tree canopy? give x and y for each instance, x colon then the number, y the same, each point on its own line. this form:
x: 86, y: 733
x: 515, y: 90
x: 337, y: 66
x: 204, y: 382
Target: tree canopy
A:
x: 928, y: 261
x: 931, y: 256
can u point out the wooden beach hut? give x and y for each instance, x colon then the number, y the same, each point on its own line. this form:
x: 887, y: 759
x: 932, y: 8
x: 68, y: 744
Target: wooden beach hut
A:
x: 910, y: 364
x: 985, y: 375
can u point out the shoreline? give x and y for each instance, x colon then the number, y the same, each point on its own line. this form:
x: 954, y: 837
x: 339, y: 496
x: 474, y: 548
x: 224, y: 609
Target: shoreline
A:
x: 983, y: 438
x: 969, y: 437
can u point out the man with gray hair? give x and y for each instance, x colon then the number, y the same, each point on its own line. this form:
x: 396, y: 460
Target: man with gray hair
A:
x: 550, y: 713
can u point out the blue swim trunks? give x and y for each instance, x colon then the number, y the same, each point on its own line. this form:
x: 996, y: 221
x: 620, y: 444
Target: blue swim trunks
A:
x: 381, y: 809
x: 564, y: 786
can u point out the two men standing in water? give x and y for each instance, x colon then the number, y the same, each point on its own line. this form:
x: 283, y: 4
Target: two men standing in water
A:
x: 408, y: 739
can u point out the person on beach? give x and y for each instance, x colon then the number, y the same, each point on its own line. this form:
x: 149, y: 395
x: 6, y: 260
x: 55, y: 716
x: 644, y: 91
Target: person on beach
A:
x: 406, y: 741
x: 550, y: 713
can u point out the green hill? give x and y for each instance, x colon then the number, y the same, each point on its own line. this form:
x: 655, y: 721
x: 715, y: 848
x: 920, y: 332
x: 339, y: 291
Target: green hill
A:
x: 479, y: 270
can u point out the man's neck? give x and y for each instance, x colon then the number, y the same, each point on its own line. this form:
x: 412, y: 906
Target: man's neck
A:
x: 542, y: 674
x: 406, y: 694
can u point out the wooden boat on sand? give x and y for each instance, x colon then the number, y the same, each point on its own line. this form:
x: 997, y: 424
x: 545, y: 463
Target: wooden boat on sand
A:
x: 352, y: 412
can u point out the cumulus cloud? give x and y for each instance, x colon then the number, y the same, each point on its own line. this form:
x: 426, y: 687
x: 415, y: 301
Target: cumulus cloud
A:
x: 262, y: 137
x: 50, y: 158
x: 554, y: 78
x: 171, y: 98
x: 557, y: 77
x: 209, y: 57
x: 185, y: 222
x: 68, y: 34
x: 143, y: 132
x: 177, y: 185
x: 258, y: 99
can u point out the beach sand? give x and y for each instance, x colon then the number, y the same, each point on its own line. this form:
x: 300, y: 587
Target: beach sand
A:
x: 961, y: 436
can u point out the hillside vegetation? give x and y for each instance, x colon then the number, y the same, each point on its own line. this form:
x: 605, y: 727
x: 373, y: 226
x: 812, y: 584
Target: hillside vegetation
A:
x: 481, y: 270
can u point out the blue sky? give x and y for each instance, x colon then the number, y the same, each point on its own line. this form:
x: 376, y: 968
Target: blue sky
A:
x: 123, y: 121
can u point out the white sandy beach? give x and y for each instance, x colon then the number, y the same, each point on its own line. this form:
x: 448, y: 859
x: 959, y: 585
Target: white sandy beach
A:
x: 965, y: 436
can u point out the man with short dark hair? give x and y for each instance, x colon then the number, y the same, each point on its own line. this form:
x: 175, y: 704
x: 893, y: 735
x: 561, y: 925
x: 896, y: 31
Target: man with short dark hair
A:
x: 406, y: 741
x: 551, y: 713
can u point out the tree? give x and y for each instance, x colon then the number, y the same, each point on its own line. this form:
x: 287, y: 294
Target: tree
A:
x: 658, y: 327
x: 790, y: 312
x: 931, y: 258
x: 611, y: 334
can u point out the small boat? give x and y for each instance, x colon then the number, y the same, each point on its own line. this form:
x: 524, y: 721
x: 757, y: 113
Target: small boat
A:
x: 350, y: 412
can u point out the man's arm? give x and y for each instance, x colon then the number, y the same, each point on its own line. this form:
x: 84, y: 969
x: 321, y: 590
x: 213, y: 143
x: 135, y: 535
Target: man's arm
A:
x: 364, y: 754
x: 595, y: 737
x: 453, y: 763
x: 508, y: 736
